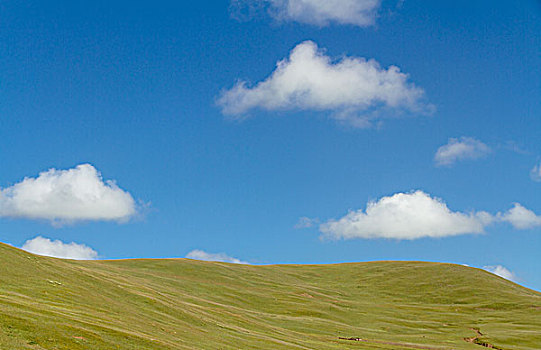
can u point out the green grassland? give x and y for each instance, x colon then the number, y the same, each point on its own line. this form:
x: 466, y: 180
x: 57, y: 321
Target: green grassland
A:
x: 48, y: 303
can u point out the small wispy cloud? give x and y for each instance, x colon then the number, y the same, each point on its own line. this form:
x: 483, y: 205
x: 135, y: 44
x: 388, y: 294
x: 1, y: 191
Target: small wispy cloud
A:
x: 221, y: 257
x: 362, y: 13
x: 464, y: 148
x: 515, y: 147
x: 306, y: 222
x: 501, y: 271
x: 66, y: 196
x: 535, y: 173
x: 59, y: 249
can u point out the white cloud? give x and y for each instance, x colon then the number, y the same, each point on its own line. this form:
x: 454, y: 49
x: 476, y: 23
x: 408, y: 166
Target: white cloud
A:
x: 520, y: 217
x: 461, y: 149
x: 306, y: 222
x: 360, y: 13
x: 59, y: 249
x: 501, y: 271
x: 410, y: 215
x: 67, y: 196
x: 535, y: 174
x: 202, y: 255
x: 355, y: 90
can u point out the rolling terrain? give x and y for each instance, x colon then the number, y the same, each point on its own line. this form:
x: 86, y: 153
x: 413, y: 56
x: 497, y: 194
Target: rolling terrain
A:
x: 48, y: 303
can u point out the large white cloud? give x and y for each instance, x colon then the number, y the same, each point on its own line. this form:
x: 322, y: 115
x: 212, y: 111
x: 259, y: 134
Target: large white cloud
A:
x: 414, y: 215
x: 535, y: 173
x: 354, y: 90
x: 501, y: 271
x: 59, y: 249
x: 202, y: 255
x: 461, y: 149
x: 520, y: 217
x: 405, y: 216
x: 67, y: 196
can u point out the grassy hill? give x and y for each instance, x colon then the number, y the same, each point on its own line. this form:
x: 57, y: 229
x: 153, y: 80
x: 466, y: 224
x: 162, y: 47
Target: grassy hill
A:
x: 48, y: 303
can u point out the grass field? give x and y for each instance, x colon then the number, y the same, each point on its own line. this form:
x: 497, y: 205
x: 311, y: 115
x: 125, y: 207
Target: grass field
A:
x: 48, y: 303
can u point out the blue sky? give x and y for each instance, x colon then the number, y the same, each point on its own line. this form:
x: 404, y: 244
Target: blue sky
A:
x: 136, y: 89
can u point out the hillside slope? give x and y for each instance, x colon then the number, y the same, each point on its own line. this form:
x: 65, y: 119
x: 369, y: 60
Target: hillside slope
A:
x: 48, y: 303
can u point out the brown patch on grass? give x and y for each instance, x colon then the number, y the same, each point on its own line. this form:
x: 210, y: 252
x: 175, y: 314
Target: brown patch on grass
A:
x: 476, y: 340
